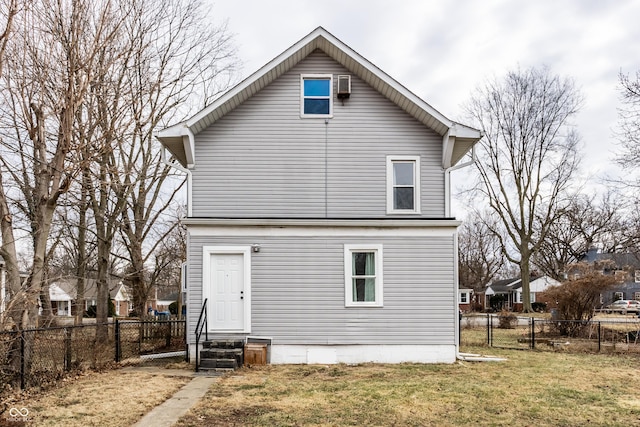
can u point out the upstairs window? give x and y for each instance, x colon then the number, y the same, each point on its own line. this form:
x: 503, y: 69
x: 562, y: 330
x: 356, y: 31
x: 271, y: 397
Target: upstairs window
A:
x: 403, y: 184
x: 317, y: 95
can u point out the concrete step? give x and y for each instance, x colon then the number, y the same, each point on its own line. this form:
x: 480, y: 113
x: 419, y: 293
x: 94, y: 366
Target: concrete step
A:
x: 218, y: 363
x: 223, y: 344
x: 223, y: 353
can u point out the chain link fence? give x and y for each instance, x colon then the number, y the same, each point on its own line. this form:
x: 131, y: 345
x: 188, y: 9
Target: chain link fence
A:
x: 38, y: 357
x: 514, y: 332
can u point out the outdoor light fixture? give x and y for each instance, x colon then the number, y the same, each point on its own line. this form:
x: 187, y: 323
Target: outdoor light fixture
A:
x: 255, y: 247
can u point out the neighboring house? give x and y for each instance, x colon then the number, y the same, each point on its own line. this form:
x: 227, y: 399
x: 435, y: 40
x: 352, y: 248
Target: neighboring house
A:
x: 318, y: 215
x: 63, y: 294
x: 507, y: 294
x: 61, y: 299
x: 465, y: 296
x: 625, y: 267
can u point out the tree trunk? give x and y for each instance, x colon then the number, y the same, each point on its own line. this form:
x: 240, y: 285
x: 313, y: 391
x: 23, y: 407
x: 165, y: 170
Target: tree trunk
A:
x: 81, y: 266
x: 525, y: 275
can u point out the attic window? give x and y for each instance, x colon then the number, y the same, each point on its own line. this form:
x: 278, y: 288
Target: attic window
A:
x: 316, y: 95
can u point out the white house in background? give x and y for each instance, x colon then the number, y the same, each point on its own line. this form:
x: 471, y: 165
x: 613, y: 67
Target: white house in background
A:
x: 511, y: 291
x: 63, y: 295
x: 319, y: 211
x: 61, y: 300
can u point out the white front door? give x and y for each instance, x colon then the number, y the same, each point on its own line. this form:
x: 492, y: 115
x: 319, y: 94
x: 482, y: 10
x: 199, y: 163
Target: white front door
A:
x: 226, y: 292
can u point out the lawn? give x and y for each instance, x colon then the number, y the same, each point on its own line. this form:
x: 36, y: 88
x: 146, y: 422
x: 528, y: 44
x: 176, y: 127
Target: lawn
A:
x: 531, y: 388
x: 108, y: 398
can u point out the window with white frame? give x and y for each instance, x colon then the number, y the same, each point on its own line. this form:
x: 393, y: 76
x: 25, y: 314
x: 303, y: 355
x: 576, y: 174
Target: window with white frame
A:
x: 532, y: 297
x: 316, y: 95
x: 403, y: 184
x: 636, y: 296
x: 618, y: 296
x: 637, y: 276
x: 464, y: 297
x: 363, y: 275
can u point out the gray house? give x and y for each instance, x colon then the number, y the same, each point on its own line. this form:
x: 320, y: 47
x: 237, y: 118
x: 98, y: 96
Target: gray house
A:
x: 318, y: 215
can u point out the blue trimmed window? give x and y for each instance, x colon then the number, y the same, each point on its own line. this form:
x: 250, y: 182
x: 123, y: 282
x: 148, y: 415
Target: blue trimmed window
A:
x: 317, y: 94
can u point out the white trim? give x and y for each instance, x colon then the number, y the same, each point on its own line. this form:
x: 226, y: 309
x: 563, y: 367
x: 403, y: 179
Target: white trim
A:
x: 304, y: 77
x: 355, y: 232
x: 466, y: 292
x: 358, y: 65
x: 348, y: 285
x: 332, y: 354
x: 290, y: 223
x: 416, y: 185
x: 207, y: 251
x: 183, y: 277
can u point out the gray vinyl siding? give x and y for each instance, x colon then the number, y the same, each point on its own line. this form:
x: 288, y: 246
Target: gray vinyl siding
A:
x: 298, y: 290
x: 263, y: 160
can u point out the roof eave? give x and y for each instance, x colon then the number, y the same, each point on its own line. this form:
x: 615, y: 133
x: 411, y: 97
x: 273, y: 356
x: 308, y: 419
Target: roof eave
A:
x: 457, y: 138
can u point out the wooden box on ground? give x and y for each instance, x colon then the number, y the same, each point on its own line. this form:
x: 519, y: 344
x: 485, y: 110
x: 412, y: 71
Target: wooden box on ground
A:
x: 255, y: 354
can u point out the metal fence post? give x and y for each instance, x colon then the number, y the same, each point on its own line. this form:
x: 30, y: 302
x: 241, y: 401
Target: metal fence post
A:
x: 532, y: 323
x: 187, y: 357
x: 489, y: 330
x: 22, y: 361
x: 67, y: 349
x: 599, y: 335
x: 117, y: 339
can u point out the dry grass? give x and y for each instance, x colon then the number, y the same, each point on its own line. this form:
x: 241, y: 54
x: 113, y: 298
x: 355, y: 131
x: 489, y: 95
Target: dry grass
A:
x: 531, y: 388
x: 114, y: 398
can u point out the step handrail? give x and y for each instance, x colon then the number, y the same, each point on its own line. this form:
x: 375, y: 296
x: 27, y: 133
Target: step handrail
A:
x: 202, y: 324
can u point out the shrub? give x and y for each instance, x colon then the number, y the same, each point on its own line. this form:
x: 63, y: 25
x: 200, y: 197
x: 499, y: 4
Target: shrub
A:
x: 173, y: 308
x: 507, y: 320
x: 576, y: 299
x: 539, y: 307
x: 92, y: 310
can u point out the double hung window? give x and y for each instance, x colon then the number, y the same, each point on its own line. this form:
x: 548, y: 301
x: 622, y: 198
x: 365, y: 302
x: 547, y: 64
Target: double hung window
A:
x: 403, y: 184
x: 363, y: 275
x: 317, y: 95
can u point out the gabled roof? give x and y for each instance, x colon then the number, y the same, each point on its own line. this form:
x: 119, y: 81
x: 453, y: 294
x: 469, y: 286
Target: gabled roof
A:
x: 70, y: 288
x: 536, y: 283
x: 621, y: 260
x: 457, y: 138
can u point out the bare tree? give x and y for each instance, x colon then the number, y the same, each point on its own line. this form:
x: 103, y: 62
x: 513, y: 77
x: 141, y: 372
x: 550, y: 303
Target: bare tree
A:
x: 479, y: 252
x: 527, y: 157
x: 164, y: 55
x: 169, y: 67
x: 8, y: 248
x: 629, y: 119
x: 587, y: 222
x: 49, y: 69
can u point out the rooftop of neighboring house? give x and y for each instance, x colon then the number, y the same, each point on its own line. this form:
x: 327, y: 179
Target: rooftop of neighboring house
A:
x: 619, y: 259
x: 69, y: 286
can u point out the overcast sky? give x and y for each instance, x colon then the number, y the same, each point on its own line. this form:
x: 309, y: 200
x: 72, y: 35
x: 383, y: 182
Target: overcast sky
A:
x: 442, y: 50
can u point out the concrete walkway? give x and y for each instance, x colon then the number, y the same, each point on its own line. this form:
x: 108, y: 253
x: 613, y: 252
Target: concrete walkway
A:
x: 169, y: 412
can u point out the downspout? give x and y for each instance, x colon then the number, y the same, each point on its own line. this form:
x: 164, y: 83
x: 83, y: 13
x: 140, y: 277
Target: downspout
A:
x: 447, y: 181
x: 447, y: 213
x: 179, y: 167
